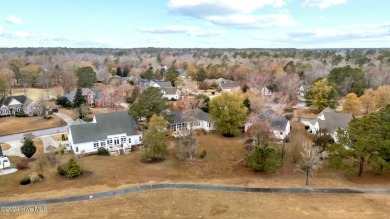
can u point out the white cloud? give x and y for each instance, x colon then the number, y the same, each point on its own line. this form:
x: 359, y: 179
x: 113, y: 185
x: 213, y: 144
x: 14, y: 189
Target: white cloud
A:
x: 254, y: 21
x: 209, y: 33
x: 357, y: 34
x: 168, y: 29
x: 1, y: 29
x: 322, y: 4
x: 233, y: 13
x: 203, y: 8
x: 15, y: 20
x: 189, y: 30
x: 48, y: 38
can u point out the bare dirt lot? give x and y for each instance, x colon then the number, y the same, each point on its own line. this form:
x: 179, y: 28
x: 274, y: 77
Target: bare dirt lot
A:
x: 207, y: 204
x: 11, y: 124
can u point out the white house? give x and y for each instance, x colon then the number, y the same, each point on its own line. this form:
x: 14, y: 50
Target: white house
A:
x: 170, y: 93
x: 114, y: 131
x: 181, y: 125
x: 13, y: 104
x: 331, y: 120
x: 303, y: 89
x: 265, y: 92
x: 4, y: 161
x: 279, y: 125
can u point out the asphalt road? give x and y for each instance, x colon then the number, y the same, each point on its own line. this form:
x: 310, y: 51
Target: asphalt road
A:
x: 193, y: 187
x: 37, y: 133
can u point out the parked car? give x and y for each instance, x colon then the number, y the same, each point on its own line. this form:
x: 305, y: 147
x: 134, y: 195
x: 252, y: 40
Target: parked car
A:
x: 54, y: 110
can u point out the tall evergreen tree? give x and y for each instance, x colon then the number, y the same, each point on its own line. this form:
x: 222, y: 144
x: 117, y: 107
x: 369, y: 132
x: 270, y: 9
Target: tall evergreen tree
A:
x: 79, y: 99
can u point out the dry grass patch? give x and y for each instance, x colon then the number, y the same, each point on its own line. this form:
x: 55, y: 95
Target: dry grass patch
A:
x: 58, y: 137
x: 211, y: 204
x: 11, y: 125
x: 5, y: 146
x: 35, y: 93
x: 69, y: 112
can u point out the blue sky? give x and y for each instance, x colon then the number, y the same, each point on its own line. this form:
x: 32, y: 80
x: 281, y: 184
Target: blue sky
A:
x: 195, y: 23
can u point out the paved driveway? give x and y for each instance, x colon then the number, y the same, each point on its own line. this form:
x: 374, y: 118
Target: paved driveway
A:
x: 15, y: 149
x: 66, y: 118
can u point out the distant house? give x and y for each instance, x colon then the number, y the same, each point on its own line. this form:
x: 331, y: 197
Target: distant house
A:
x: 303, y: 89
x: 99, y: 98
x: 170, y: 93
x: 13, y: 104
x: 230, y: 86
x: 279, y: 124
x: 4, y: 161
x: 160, y: 84
x: 181, y: 125
x: 103, y: 77
x: 265, y: 92
x: 330, y: 121
x: 143, y: 83
x: 117, y: 132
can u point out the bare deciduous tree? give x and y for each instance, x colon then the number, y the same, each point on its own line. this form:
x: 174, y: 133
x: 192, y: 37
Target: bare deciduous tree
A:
x: 69, y: 81
x: 310, y: 161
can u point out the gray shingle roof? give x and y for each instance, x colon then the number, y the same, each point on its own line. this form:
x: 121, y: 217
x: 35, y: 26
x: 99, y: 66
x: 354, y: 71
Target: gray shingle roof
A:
x: 179, y: 117
x: 170, y: 90
x: 334, y: 120
x: 7, y: 100
x: 230, y: 85
x: 106, y: 124
x: 163, y: 84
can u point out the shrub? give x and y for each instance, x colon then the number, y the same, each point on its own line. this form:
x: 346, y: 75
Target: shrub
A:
x: 20, y: 114
x: 73, y: 168
x: 63, y: 137
x: 212, y: 92
x: 22, y: 164
x: 102, y: 151
x: 41, y: 176
x: 62, y: 101
x: 47, y: 117
x: 173, y: 99
x: 288, y: 116
x: 28, y: 148
x: 62, y: 169
x: 203, y: 154
x: 263, y: 158
x: 25, y: 181
x: 88, y: 119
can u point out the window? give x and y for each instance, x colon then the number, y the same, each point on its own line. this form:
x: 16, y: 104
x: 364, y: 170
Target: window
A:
x: 103, y: 143
x: 96, y: 145
x: 129, y: 140
x: 140, y: 138
x: 281, y: 133
x: 173, y: 127
x: 116, y: 141
x: 77, y: 149
x: 208, y: 125
x: 123, y: 139
x: 109, y: 141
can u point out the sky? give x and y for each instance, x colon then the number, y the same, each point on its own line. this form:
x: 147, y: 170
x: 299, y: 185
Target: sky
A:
x: 195, y: 23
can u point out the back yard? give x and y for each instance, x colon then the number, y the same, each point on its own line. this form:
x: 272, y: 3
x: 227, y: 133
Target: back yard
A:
x: 11, y: 124
x: 223, y: 165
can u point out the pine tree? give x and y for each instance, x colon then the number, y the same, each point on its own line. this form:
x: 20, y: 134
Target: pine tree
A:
x: 79, y: 99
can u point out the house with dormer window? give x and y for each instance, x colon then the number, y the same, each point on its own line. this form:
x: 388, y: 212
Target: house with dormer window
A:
x: 9, y: 106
